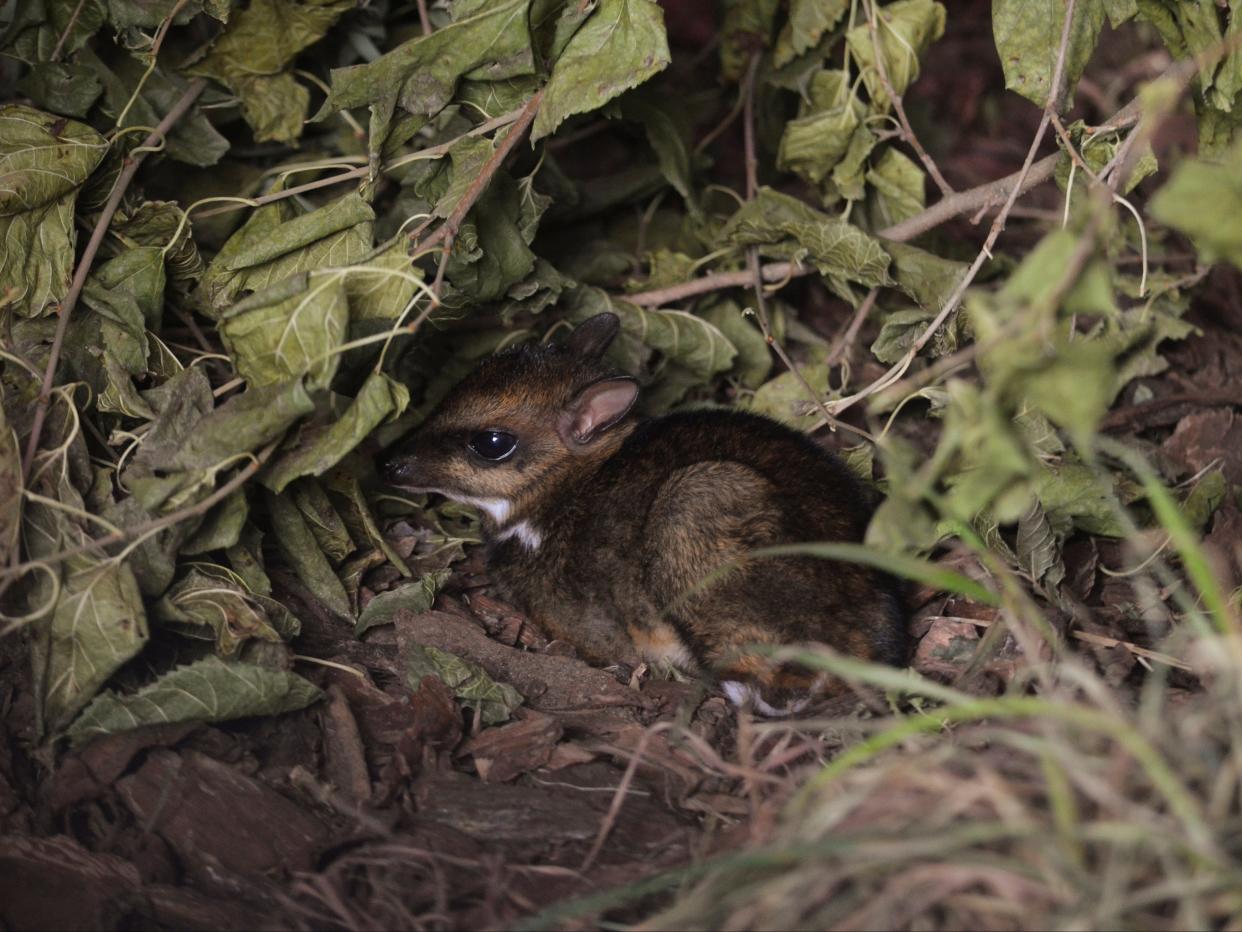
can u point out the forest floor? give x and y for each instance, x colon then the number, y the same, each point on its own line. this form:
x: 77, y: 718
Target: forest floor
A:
x: 384, y: 808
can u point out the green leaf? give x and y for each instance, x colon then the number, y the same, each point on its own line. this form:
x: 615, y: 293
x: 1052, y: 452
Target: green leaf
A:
x: 184, y: 451
x: 793, y: 230
x: 251, y: 55
x: 925, y: 277
x: 270, y: 249
x: 808, y: 21
x: 291, y: 337
x: 44, y: 159
x: 380, y: 399
x: 753, y: 362
x: 904, y: 30
x: 491, y: 42
x: 786, y: 398
x: 222, y: 526
x: 210, y: 690
x: 619, y: 47
x: 898, y: 184
x: 62, y: 87
x: 813, y: 144
x: 416, y: 597
x: 10, y: 487
x: 495, y: 702
x: 97, y: 623
x: 1028, y: 39
x: 301, y: 549
x: 215, y: 599
x: 1074, y: 496
x: 1203, y: 199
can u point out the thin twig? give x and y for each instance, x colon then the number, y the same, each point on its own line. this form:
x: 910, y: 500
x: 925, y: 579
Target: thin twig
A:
x: 128, y: 170
x: 907, y: 132
x: 423, y: 18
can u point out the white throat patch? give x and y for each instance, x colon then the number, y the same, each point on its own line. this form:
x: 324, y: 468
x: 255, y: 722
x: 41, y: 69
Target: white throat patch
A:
x: 524, y: 531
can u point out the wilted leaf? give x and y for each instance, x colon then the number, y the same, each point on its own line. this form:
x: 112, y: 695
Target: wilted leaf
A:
x: 222, y: 526
x: 44, y: 159
x: 291, y: 336
x: 1028, y: 38
x: 416, y: 597
x: 1075, y: 496
x: 808, y: 21
x: 785, y: 397
x: 619, y: 47
x: 210, y: 690
x: 193, y: 139
x: 269, y: 250
x: 925, y: 277
x: 813, y: 144
x: 98, y: 622
x: 904, y: 30
x: 754, y: 359
x: 180, y: 461
x: 10, y: 488
x: 379, y: 399
x: 495, y: 702
x: 62, y: 87
x: 898, y: 184
x: 302, y: 550
x: 490, y: 40
x: 215, y: 599
x: 1205, y: 498
x: 251, y: 54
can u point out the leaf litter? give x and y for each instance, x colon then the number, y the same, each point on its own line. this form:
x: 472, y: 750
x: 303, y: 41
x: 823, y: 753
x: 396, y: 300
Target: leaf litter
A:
x: 235, y: 663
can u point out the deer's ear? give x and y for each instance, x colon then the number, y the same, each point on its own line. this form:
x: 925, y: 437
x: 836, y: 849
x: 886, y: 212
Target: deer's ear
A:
x: 593, y: 336
x: 597, y: 408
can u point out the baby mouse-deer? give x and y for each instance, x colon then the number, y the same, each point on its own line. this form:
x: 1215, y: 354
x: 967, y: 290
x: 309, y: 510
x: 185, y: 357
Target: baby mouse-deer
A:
x: 604, y: 527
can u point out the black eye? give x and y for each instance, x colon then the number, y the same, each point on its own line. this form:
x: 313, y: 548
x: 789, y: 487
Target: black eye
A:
x: 492, y: 445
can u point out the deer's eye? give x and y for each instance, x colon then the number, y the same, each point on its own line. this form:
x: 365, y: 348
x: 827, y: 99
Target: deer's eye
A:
x: 494, y: 445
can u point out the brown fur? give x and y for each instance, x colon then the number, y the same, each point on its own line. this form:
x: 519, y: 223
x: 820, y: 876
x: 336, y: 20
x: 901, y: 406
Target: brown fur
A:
x: 634, y: 519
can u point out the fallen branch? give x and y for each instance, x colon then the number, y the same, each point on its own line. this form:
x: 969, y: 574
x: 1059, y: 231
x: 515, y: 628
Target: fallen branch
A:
x: 128, y: 170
